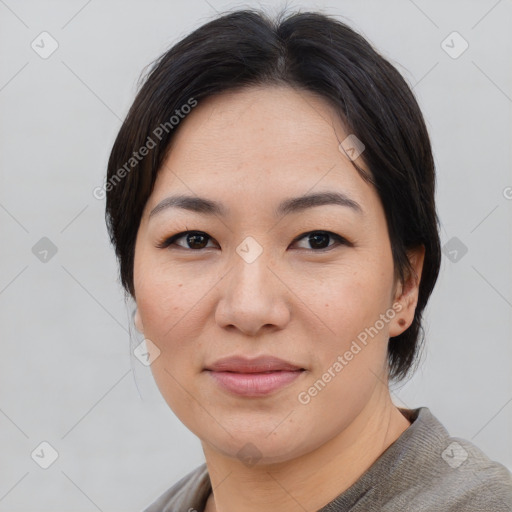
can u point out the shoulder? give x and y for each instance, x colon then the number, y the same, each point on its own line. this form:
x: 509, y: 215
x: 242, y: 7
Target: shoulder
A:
x: 472, y: 479
x: 456, y: 476
x: 188, y: 494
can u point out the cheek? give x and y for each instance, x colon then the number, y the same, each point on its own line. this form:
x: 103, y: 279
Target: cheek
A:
x: 166, y: 305
x: 165, y: 309
x: 351, y: 306
x: 166, y: 294
x: 350, y: 360
x: 354, y: 299
x: 171, y: 303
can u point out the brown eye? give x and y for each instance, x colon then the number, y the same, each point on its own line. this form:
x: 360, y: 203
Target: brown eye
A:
x: 197, y: 240
x: 319, y: 240
x: 193, y: 240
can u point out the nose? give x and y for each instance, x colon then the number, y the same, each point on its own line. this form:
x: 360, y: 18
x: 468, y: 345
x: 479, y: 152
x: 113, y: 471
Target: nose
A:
x: 253, y: 297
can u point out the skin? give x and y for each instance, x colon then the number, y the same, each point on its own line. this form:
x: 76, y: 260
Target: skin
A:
x: 250, y: 150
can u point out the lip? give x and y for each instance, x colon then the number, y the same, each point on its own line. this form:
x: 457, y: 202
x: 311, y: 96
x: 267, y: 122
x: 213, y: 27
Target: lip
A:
x: 240, y: 364
x: 254, y: 384
x: 253, y: 377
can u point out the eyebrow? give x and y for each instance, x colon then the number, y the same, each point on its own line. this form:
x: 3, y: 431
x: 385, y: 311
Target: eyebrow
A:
x: 293, y: 205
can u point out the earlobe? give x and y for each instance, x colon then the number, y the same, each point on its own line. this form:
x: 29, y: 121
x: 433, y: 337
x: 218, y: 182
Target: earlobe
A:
x: 407, y: 293
x: 138, y: 321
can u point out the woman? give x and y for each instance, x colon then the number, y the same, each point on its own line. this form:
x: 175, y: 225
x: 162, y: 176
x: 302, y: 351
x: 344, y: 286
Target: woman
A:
x: 270, y: 197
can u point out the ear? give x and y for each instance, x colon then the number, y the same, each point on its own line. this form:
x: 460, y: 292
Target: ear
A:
x: 138, y: 322
x: 406, y: 294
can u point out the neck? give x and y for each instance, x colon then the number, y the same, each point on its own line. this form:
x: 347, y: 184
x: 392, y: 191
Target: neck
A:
x: 313, y: 479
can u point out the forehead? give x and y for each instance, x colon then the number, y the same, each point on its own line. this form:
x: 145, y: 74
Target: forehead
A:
x: 272, y: 141
x: 256, y: 122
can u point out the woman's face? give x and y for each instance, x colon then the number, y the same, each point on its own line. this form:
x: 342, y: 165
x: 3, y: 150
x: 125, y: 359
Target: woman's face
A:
x: 252, y: 283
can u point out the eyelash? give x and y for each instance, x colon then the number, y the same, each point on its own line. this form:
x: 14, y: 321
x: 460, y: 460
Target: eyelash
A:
x: 167, y: 242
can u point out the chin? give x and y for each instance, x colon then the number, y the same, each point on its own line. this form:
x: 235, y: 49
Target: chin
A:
x: 258, y: 448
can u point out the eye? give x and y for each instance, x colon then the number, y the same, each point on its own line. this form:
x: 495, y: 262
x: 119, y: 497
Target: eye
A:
x: 194, y: 240
x: 319, y: 240
x: 197, y: 240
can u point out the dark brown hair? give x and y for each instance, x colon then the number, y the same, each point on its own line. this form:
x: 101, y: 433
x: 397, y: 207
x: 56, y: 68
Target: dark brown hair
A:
x: 308, y: 51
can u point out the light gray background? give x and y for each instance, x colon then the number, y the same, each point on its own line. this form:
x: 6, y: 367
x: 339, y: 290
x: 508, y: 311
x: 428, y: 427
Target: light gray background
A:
x: 66, y: 374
